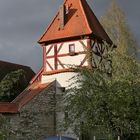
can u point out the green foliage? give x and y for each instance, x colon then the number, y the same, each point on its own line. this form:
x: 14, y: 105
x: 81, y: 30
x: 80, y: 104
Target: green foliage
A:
x: 12, y: 84
x: 104, y: 101
x: 4, y: 130
x: 115, y: 25
x: 110, y: 102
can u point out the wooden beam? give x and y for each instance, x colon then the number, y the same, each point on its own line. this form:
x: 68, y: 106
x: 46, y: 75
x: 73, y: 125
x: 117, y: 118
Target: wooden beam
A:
x: 55, y: 57
x: 60, y: 47
x: 62, y: 65
x: 82, y: 43
x: 44, y: 57
x: 58, y: 71
x: 49, y: 50
x: 84, y: 60
x: 63, y: 55
x: 49, y: 65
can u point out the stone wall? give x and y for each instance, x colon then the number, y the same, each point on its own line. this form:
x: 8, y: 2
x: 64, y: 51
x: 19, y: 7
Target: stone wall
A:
x: 36, y: 120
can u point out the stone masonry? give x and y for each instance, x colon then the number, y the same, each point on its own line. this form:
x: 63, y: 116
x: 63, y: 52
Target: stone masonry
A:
x: 36, y: 120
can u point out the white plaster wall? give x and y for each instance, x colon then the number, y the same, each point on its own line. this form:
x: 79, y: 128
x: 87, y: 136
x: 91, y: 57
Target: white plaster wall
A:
x: 68, y: 61
x: 78, y: 46
x: 72, y: 60
x: 64, y: 79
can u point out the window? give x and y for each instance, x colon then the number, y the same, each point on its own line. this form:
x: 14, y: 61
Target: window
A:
x: 72, y: 49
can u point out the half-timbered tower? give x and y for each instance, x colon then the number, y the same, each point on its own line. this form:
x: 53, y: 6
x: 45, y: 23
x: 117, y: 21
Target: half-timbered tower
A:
x: 73, y: 34
x: 74, y: 30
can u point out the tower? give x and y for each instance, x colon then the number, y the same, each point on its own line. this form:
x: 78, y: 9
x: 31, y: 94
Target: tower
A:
x: 74, y: 29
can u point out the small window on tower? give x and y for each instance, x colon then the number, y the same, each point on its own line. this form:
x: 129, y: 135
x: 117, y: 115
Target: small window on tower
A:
x: 72, y: 49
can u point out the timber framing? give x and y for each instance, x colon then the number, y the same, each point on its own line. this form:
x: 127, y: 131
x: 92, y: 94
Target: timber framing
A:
x: 57, y: 54
x: 101, y: 56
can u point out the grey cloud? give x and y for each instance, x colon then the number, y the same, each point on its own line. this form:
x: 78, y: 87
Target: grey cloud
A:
x: 24, y: 21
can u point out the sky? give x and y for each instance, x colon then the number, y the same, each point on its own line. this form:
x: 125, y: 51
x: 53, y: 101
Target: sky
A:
x: 22, y: 22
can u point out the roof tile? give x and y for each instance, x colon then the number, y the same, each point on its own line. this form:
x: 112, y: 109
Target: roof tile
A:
x: 79, y: 21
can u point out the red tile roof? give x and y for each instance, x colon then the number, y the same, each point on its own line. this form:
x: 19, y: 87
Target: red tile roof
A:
x: 80, y: 22
x: 8, y: 108
x: 57, y: 71
x: 24, y: 98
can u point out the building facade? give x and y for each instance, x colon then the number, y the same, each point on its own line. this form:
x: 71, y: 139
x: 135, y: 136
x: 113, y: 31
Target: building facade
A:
x: 74, y: 38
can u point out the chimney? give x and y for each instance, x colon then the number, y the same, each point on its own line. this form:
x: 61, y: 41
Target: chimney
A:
x: 62, y: 15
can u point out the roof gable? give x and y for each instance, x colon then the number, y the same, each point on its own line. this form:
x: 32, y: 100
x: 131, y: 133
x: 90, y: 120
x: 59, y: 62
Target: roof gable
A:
x: 80, y: 21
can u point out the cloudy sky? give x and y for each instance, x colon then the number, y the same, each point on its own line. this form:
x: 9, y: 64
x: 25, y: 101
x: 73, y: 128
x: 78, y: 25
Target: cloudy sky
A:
x: 23, y: 21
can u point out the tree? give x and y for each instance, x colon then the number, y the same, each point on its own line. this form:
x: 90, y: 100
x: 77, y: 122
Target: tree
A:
x: 105, y: 101
x: 111, y: 102
x: 12, y: 84
x: 115, y: 25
